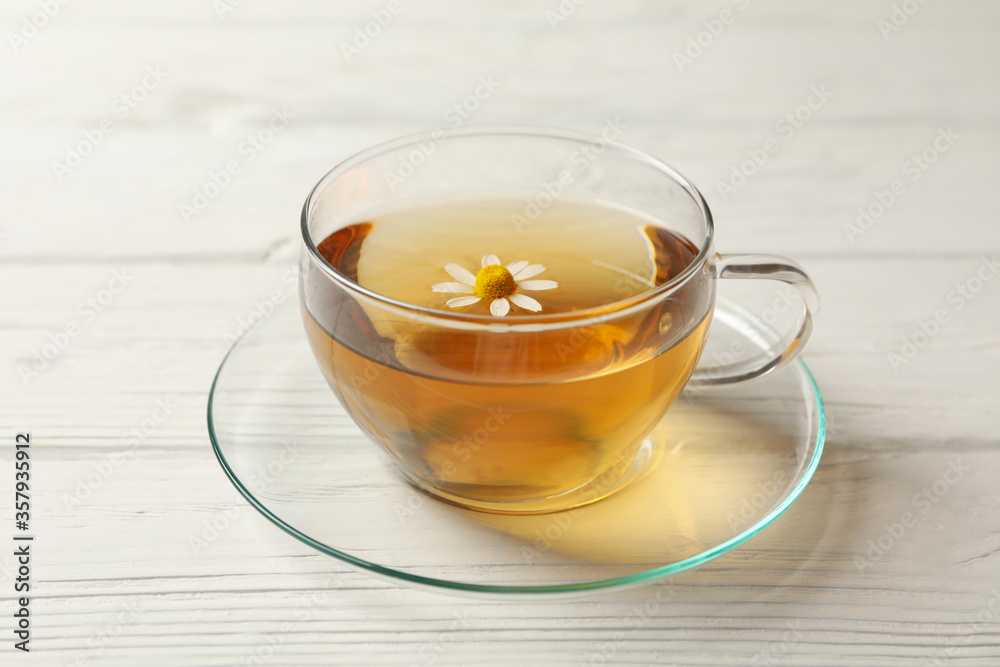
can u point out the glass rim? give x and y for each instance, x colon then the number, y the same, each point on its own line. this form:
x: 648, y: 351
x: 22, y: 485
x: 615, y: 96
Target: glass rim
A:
x: 596, y: 314
x: 812, y: 454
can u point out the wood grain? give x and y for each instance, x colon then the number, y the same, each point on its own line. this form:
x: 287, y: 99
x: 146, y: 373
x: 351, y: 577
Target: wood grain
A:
x: 117, y: 577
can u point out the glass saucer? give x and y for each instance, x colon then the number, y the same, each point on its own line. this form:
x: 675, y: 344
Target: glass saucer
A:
x: 727, y: 463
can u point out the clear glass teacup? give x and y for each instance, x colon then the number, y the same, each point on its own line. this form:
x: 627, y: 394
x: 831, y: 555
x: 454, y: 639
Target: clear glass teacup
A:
x: 510, y: 311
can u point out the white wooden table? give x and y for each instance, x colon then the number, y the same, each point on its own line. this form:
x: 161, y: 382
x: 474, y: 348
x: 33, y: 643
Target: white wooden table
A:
x: 117, y: 303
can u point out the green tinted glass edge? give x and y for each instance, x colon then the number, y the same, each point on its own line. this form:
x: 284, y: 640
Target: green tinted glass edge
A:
x: 547, y: 592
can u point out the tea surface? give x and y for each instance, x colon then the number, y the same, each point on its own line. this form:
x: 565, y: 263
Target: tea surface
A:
x: 597, y: 255
x: 488, y: 417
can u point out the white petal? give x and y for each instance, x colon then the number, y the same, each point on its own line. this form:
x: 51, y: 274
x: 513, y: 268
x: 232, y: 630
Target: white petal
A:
x: 516, y: 266
x: 490, y: 259
x: 460, y: 301
x: 500, y: 307
x: 528, y: 272
x: 526, y: 302
x: 535, y: 285
x: 461, y: 274
x: 457, y: 288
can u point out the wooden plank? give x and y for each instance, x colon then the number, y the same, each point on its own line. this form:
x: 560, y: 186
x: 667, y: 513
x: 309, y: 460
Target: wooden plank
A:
x: 256, y: 215
x: 165, y: 333
x: 890, y: 556
x: 240, y: 588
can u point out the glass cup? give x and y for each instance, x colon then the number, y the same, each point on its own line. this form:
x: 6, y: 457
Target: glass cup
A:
x: 535, y: 412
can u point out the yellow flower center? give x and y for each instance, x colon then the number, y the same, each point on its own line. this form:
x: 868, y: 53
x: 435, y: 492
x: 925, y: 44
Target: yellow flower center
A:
x: 494, y: 281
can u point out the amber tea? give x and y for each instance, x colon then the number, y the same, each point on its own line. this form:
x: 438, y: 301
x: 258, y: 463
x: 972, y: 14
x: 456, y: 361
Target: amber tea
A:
x: 513, y: 318
x: 497, y: 414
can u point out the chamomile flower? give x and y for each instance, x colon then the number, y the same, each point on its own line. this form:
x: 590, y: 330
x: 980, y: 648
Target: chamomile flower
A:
x: 502, y: 285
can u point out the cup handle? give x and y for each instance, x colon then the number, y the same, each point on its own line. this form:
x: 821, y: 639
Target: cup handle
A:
x: 762, y: 267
